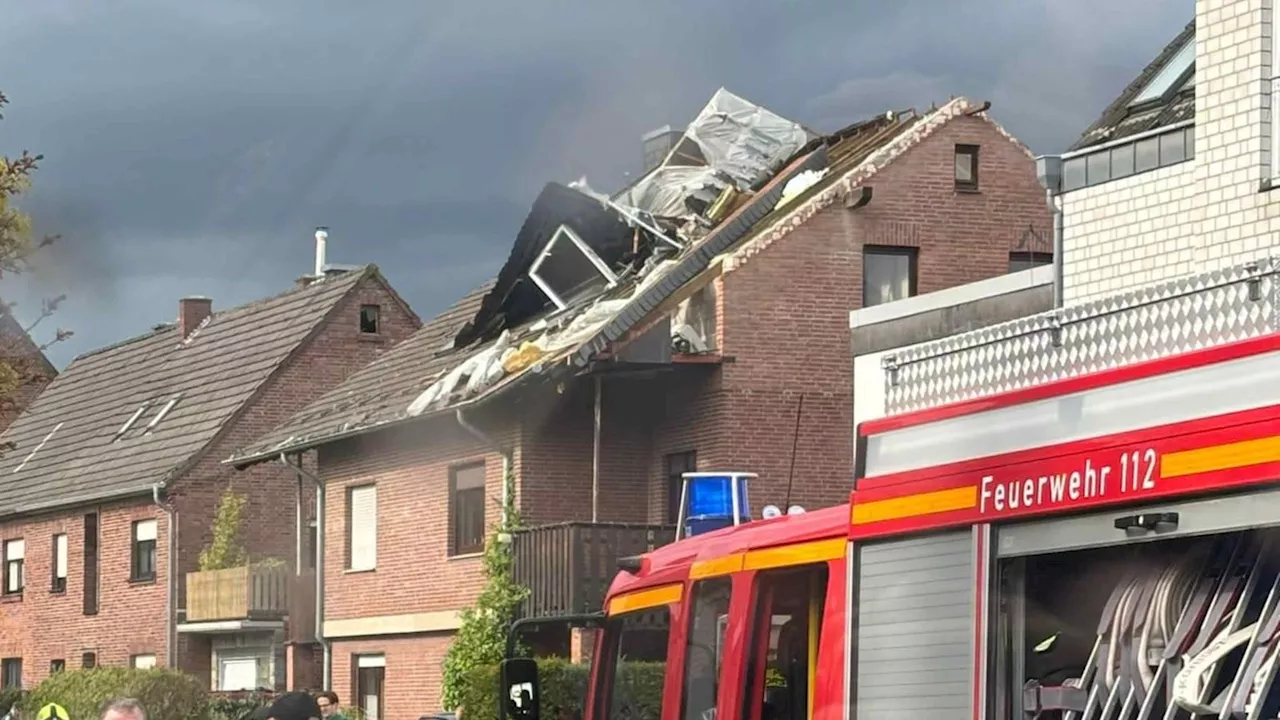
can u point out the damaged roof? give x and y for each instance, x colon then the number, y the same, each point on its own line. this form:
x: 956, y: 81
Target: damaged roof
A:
x: 123, y: 418
x: 654, y: 237
x: 1163, y: 94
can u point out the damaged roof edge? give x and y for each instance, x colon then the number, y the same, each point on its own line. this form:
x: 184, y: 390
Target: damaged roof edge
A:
x: 721, y: 240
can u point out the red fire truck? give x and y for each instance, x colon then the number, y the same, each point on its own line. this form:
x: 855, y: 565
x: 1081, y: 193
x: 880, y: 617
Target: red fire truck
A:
x: 1101, y: 547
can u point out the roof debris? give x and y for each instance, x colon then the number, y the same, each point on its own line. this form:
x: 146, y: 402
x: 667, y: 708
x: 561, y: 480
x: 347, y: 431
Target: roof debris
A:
x: 586, y: 267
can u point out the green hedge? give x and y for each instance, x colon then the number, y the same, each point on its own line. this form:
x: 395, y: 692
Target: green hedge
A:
x: 166, y: 694
x: 564, y: 689
x: 10, y: 697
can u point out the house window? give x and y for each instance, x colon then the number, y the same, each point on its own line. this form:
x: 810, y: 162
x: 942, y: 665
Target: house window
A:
x: 369, y: 319
x: 370, y: 676
x: 244, y: 668
x: 57, y: 666
x: 142, y: 662
x: 362, y: 527
x: 1024, y: 260
x: 466, y: 509
x: 91, y: 564
x: 967, y: 168
x: 677, y: 464
x: 89, y: 660
x: 888, y: 274
x: 143, y: 563
x: 14, y: 553
x: 10, y: 673
x: 312, y: 545
x: 59, y: 563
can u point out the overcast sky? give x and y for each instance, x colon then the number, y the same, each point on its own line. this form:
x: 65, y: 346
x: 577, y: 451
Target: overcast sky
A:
x: 191, y: 148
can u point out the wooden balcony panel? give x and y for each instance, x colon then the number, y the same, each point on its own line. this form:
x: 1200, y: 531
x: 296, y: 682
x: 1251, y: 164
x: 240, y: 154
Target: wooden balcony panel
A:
x: 253, y: 592
x: 568, y: 567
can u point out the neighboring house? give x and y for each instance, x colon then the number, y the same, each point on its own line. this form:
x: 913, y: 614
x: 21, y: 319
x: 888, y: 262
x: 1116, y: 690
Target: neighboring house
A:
x: 25, y: 370
x: 1181, y: 172
x: 108, y: 496
x: 675, y: 326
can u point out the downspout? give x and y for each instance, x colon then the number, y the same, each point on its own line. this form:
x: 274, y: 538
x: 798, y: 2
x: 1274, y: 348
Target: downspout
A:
x: 504, y: 452
x: 171, y: 531
x: 320, y: 493
x: 595, y: 454
x: 1049, y: 172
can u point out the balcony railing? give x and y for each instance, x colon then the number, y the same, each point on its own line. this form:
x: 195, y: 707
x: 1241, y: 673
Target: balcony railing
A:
x: 253, y: 592
x: 568, y: 566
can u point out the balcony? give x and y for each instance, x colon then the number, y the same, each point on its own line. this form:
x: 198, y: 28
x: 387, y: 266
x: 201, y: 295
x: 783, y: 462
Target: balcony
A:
x: 250, y: 593
x: 568, y: 566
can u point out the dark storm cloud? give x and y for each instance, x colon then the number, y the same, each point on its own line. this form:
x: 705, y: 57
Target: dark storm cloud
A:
x: 191, y: 147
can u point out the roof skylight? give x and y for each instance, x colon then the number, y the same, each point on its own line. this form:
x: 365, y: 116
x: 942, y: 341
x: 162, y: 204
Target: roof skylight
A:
x: 1173, y: 70
x: 160, y: 415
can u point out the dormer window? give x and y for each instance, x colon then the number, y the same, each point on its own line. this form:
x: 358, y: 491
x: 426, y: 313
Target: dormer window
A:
x: 369, y: 319
x: 1176, y: 72
x: 568, y: 269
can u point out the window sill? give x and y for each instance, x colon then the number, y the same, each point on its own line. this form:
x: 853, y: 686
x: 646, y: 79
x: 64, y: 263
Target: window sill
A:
x: 374, y: 338
x: 968, y: 191
x: 359, y: 571
x: 465, y: 556
x: 56, y: 592
x: 142, y: 581
x: 11, y: 597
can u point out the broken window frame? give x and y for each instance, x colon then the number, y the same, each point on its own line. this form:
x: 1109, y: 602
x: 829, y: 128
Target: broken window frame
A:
x: 600, y: 266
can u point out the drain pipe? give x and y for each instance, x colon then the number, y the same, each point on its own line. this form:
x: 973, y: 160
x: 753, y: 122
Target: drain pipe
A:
x: 171, y: 531
x: 595, y: 453
x: 504, y: 452
x: 320, y: 492
x: 1049, y: 172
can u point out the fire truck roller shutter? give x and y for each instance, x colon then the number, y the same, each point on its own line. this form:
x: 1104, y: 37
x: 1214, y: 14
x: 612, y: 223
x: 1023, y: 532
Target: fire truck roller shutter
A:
x: 913, y: 640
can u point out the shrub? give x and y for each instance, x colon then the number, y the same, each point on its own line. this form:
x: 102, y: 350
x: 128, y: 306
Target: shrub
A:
x: 165, y: 694
x: 236, y: 705
x: 10, y: 697
x: 637, y: 688
x: 224, y: 550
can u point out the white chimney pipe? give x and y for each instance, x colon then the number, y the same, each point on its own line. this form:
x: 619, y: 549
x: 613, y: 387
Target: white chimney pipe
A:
x: 322, y: 241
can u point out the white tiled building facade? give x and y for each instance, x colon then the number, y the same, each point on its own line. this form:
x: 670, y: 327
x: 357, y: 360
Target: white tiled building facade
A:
x: 1212, y: 210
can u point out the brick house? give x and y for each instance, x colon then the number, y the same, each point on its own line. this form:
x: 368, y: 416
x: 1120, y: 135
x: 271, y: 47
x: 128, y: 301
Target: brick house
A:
x: 108, y: 494
x: 31, y: 368
x: 720, y: 309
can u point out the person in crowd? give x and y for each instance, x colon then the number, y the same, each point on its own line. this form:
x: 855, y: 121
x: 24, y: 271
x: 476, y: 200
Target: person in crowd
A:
x: 328, y: 701
x: 123, y: 709
x: 296, y: 705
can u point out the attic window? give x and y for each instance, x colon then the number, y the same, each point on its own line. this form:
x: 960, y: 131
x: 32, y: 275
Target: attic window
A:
x: 1178, y: 66
x: 132, y: 419
x: 568, y: 269
x: 369, y: 319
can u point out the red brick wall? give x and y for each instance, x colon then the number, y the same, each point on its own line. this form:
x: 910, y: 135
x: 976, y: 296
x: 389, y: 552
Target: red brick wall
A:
x: 269, y: 528
x: 131, y: 618
x: 785, y: 312
x: 412, y: 673
x: 40, y: 626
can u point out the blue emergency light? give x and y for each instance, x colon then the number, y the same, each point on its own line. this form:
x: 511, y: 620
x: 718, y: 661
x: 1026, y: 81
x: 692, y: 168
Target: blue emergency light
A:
x: 713, y: 500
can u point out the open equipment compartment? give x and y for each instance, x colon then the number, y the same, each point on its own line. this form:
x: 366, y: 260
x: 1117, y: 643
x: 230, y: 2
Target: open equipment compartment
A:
x: 1164, y: 624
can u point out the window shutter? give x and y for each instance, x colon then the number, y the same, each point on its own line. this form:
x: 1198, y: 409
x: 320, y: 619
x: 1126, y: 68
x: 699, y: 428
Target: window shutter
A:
x: 146, y: 530
x: 364, y: 527
x: 60, y: 556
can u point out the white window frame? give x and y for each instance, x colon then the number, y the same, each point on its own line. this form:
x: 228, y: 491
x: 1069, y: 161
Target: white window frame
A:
x: 15, y: 551
x: 567, y: 232
x: 362, y: 527
x: 60, y: 558
x: 1164, y: 80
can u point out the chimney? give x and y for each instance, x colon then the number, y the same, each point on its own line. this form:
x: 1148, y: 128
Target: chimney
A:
x: 322, y: 242
x: 191, y: 312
